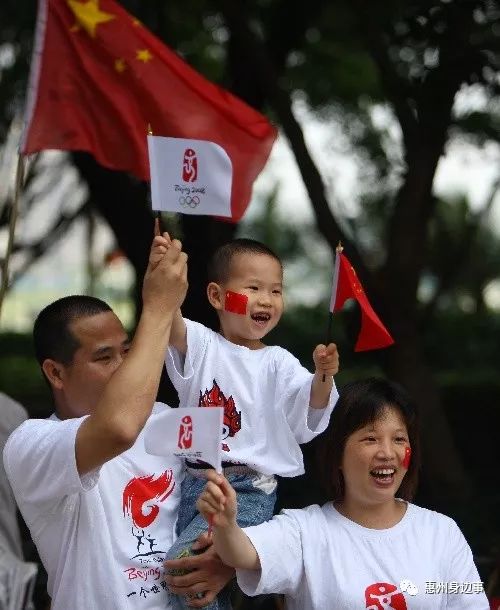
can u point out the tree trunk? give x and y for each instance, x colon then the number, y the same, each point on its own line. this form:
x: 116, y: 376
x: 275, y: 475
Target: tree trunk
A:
x: 396, y: 294
x: 444, y: 480
x: 444, y: 476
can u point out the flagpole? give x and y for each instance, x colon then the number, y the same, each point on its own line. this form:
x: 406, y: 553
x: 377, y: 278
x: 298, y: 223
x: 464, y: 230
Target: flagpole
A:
x: 338, y: 250
x: 158, y: 212
x: 12, y: 227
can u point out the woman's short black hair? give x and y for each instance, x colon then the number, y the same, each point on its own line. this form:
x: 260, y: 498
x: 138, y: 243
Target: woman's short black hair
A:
x: 361, y: 403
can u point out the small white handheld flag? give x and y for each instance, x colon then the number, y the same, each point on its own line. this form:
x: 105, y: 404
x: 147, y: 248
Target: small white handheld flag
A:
x: 190, y: 176
x: 192, y: 433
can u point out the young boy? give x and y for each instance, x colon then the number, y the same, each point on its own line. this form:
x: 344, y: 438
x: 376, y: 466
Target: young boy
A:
x: 271, y: 402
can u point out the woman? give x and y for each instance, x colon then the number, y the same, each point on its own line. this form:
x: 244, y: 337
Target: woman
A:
x: 367, y: 548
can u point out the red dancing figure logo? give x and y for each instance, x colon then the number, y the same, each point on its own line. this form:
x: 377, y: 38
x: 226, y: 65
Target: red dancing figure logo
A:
x: 232, y: 418
x: 190, y: 166
x: 185, y: 433
x: 382, y: 596
x: 142, y: 495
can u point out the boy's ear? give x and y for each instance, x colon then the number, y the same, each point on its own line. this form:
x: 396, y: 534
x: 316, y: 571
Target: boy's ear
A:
x: 216, y: 296
x: 53, y: 370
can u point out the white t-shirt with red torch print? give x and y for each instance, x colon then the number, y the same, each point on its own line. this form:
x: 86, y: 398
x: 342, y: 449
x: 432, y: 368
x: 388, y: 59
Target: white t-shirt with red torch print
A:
x: 102, y: 537
x: 321, y: 560
x: 265, y: 394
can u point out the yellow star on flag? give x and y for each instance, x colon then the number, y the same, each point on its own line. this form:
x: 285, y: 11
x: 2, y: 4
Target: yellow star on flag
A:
x: 88, y: 15
x: 120, y: 65
x: 144, y: 55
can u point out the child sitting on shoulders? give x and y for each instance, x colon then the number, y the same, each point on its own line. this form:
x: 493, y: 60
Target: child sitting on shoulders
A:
x: 271, y: 403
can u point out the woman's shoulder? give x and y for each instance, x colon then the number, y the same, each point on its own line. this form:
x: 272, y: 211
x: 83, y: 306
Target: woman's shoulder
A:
x: 307, y: 517
x: 431, y: 520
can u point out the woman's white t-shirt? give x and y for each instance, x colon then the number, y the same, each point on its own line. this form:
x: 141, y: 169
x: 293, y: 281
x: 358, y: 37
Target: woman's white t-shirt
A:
x: 321, y: 560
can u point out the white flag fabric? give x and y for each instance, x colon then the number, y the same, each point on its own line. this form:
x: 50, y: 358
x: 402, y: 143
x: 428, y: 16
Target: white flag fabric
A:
x: 190, y: 176
x: 194, y: 433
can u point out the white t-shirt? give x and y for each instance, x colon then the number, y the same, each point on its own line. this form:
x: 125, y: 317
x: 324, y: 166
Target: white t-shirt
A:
x: 102, y: 537
x: 12, y: 416
x: 321, y: 560
x: 265, y: 394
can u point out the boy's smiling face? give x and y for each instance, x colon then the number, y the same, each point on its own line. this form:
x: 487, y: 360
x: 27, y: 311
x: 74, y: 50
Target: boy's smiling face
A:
x: 259, y: 277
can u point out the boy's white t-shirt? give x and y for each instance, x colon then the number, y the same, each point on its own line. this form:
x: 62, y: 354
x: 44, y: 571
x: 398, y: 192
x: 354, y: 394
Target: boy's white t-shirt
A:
x: 265, y: 394
x: 320, y: 559
x: 102, y: 537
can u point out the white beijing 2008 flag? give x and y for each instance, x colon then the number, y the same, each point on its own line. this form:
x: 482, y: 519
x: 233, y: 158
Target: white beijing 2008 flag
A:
x: 194, y: 433
x: 189, y: 176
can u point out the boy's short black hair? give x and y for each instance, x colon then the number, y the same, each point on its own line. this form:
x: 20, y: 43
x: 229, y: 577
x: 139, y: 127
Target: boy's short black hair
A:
x: 361, y: 403
x: 52, y: 335
x: 220, y: 265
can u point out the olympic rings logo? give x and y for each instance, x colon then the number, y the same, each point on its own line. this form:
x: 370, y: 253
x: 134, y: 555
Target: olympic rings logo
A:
x: 189, y: 201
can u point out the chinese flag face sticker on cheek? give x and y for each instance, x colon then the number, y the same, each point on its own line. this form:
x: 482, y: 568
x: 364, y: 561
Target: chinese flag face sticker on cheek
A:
x: 407, y: 458
x: 235, y: 303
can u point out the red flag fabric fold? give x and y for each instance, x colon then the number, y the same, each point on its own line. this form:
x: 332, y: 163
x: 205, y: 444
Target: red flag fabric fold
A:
x: 346, y: 285
x: 99, y: 77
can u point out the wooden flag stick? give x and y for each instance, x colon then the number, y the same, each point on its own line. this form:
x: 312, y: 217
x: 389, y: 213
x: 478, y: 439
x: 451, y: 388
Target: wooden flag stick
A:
x: 338, y: 250
x: 328, y: 335
x: 210, y: 525
x: 157, y: 213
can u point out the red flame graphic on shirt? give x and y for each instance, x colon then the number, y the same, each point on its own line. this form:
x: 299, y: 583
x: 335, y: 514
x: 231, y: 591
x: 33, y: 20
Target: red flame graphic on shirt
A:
x: 142, y: 495
x: 382, y: 595
x: 215, y: 398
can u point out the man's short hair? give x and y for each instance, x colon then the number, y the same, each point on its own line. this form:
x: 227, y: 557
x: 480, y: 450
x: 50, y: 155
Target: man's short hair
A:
x: 52, y: 335
x: 219, y: 268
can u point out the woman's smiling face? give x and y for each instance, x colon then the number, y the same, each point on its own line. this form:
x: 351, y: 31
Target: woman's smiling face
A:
x: 372, y: 463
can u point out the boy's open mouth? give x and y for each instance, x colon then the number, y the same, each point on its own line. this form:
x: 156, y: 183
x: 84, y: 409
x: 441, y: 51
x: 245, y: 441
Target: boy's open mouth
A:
x: 261, y: 317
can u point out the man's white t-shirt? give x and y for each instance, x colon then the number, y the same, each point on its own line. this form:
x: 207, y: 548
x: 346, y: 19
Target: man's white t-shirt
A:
x: 320, y: 560
x: 102, y: 537
x: 265, y: 394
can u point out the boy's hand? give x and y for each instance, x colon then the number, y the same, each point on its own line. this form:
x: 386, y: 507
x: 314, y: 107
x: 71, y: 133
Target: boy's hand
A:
x: 217, y: 503
x: 326, y: 359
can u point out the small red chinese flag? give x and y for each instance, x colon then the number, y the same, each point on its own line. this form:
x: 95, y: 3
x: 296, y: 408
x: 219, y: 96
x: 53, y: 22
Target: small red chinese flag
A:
x: 346, y: 285
x: 235, y: 303
x: 99, y: 77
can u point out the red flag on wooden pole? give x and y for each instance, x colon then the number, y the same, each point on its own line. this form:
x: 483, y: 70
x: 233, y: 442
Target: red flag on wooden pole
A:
x: 346, y: 285
x: 99, y: 77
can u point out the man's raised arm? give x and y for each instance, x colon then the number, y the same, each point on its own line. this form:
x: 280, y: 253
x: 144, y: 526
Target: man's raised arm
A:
x: 128, y: 397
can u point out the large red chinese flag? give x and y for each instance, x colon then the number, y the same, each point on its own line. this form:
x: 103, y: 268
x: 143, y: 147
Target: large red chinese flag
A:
x: 99, y: 77
x: 346, y: 285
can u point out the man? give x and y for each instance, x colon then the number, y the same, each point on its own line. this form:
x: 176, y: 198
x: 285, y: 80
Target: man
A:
x: 100, y: 509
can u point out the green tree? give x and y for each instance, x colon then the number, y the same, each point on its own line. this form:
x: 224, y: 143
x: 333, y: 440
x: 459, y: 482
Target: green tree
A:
x: 410, y: 56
